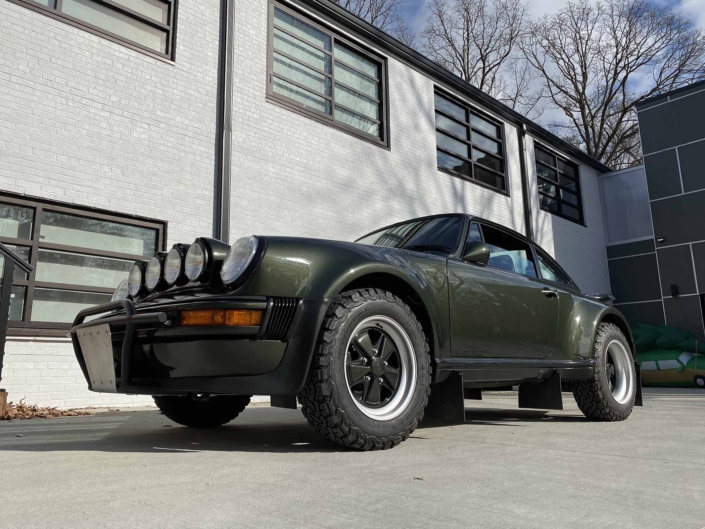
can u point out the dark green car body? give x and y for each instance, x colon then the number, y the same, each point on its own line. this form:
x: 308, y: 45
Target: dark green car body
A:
x: 496, y: 327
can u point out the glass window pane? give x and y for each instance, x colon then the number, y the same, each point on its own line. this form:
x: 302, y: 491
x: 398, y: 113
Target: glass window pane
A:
x: 301, y: 29
x: 549, y: 270
x: 356, y: 102
x: 488, y: 177
x: 487, y: 160
x: 509, y: 253
x: 48, y: 3
x: 568, y: 183
x: 61, y: 306
x: 570, y: 197
x: 570, y: 211
x: 568, y: 168
x: 450, y: 108
x: 454, y: 127
x: 545, y: 157
x: 356, y: 60
x: 439, y: 235
x: 546, y: 172
x: 447, y: 161
x: 359, y: 122
x: 17, y: 299
x: 302, y: 75
x: 107, y: 19
x: 153, y: 9
x: 20, y: 251
x: 357, y: 81
x: 77, y: 269
x: 549, y: 203
x: 390, y: 237
x: 446, y: 142
x: 301, y: 51
x: 304, y: 97
x: 16, y: 221
x: 72, y: 230
x: 486, y: 143
x: 474, y: 233
x: 484, y: 125
x: 627, y: 205
x: 547, y: 187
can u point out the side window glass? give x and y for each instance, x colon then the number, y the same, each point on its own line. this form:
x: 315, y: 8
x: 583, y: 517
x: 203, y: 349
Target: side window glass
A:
x: 438, y: 235
x: 549, y: 271
x: 508, y: 252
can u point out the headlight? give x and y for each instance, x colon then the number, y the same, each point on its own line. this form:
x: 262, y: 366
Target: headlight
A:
x: 134, y: 281
x: 153, y: 274
x: 195, y: 261
x: 238, y: 258
x: 121, y: 291
x: 172, y: 266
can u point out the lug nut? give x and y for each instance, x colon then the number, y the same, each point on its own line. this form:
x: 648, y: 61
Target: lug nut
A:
x: 381, y: 380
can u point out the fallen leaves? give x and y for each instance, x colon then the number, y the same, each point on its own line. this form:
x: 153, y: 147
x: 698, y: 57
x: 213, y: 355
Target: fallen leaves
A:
x: 27, y: 411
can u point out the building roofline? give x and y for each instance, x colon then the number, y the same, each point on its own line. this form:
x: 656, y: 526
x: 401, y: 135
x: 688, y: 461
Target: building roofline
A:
x: 666, y: 95
x: 389, y: 43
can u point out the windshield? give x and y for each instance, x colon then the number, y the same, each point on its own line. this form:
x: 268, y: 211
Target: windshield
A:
x: 437, y: 235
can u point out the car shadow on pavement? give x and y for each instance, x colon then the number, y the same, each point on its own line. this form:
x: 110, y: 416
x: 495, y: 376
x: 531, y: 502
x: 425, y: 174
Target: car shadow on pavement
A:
x: 258, y: 430
x: 505, y: 417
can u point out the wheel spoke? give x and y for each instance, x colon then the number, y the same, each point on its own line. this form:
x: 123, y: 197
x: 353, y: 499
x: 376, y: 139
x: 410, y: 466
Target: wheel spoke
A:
x: 372, y: 395
x: 356, y: 372
x: 363, y: 344
x: 385, y: 348
x: 392, y: 377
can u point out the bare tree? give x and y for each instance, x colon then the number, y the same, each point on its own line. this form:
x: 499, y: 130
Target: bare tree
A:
x: 383, y: 14
x: 478, y: 40
x: 598, y: 60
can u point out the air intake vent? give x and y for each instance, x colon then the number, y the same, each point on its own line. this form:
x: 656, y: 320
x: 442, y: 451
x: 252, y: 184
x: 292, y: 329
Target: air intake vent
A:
x: 281, y: 316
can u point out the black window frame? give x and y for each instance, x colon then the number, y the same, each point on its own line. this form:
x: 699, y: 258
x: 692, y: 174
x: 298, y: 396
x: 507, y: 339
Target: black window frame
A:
x: 322, y: 117
x: 469, y: 110
x: 169, y: 28
x: 559, y: 200
x: 25, y: 326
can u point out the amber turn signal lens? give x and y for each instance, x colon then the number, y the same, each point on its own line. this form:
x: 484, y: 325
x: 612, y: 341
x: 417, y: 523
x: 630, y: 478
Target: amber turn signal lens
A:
x: 233, y: 317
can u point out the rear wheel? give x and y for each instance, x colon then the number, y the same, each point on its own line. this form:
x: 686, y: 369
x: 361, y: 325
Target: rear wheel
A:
x: 202, y: 411
x: 370, y: 376
x: 699, y: 381
x: 609, y: 395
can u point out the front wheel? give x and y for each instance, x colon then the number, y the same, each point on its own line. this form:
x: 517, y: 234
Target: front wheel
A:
x: 699, y: 381
x: 202, y: 411
x: 370, y: 376
x: 609, y: 395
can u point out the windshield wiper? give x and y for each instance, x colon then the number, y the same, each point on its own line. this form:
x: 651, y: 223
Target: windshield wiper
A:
x: 427, y: 247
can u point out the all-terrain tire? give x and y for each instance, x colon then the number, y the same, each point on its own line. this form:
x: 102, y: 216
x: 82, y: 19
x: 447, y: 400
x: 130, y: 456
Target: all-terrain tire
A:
x: 202, y: 413
x: 593, y: 396
x: 326, y: 401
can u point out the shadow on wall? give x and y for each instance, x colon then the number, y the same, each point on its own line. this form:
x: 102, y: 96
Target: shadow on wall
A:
x: 390, y: 185
x: 669, y: 357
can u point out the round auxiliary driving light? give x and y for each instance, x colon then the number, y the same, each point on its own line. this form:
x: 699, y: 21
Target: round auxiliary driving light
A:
x: 239, y: 257
x: 121, y: 291
x: 134, y: 281
x: 172, y: 266
x: 153, y: 274
x: 195, y: 262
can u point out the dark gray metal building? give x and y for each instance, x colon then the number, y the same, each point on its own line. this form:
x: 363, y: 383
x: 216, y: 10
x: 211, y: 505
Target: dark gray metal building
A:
x: 656, y: 222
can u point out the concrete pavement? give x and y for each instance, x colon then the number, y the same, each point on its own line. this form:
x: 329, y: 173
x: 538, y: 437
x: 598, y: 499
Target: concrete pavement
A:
x: 504, y: 468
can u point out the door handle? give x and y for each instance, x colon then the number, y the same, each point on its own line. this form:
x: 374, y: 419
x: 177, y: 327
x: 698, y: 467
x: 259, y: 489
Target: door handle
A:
x: 549, y: 292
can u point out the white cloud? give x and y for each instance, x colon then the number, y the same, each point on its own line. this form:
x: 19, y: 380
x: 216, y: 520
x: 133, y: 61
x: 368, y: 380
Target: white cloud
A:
x: 694, y: 10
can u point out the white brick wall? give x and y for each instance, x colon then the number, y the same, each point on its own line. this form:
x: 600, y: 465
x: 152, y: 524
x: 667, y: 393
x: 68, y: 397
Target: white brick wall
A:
x: 90, y: 122
x: 87, y: 121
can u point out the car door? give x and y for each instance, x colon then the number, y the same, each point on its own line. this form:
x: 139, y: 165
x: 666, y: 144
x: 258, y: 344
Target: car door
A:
x: 501, y: 310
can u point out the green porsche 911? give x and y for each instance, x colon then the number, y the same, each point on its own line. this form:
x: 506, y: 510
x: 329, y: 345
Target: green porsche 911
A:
x: 370, y: 335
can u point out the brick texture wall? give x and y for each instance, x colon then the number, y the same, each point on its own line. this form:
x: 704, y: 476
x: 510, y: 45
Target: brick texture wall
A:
x: 87, y: 121
x: 90, y: 122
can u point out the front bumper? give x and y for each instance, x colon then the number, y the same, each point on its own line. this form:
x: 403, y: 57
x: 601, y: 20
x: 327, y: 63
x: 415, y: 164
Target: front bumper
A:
x: 143, y: 350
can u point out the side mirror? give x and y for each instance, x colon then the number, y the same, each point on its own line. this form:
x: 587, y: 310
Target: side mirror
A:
x: 477, y: 252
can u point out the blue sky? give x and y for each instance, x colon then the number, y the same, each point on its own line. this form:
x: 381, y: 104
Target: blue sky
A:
x: 414, y: 11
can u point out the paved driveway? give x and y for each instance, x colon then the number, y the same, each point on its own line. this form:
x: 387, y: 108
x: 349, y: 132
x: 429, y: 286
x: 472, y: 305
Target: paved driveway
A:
x: 503, y: 468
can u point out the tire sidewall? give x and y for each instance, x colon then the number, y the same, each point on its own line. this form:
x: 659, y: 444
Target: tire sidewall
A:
x: 345, y: 400
x: 601, y: 375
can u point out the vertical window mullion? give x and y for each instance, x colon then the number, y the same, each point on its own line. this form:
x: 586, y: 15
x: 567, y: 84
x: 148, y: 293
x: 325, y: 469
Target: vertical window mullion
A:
x: 33, y: 260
